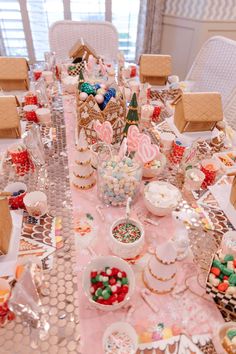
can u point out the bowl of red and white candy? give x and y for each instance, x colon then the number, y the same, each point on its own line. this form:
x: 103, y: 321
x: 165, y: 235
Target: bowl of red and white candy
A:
x: 108, y: 282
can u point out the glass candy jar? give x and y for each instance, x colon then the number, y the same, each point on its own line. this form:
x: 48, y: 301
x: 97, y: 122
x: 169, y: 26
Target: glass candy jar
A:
x: 118, y: 178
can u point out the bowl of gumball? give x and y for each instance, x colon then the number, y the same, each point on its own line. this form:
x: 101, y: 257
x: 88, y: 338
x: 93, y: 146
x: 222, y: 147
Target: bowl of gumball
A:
x: 18, y: 191
x: 108, y: 282
x: 155, y: 167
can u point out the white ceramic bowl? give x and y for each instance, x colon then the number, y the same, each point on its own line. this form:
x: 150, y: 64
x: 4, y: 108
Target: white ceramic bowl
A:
x: 126, y: 250
x: 153, y: 172
x: 36, y: 203
x: 99, y: 263
x: 162, y: 210
x: 122, y: 327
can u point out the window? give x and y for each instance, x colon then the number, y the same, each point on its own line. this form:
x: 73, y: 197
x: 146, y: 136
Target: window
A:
x: 84, y: 10
x: 125, y: 19
x: 24, y: 23
x: 12, y: 31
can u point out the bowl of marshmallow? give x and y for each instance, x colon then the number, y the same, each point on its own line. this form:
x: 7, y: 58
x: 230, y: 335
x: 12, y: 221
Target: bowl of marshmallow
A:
x: 161, y: 198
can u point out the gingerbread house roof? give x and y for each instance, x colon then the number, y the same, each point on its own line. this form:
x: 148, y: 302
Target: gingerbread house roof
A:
x: 80, y: 47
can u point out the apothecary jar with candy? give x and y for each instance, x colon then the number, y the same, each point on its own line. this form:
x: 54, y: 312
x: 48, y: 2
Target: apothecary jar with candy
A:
x: 118, y: 177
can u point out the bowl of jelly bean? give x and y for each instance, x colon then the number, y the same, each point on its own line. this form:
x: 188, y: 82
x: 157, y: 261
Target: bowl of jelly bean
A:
x: 108, y: 282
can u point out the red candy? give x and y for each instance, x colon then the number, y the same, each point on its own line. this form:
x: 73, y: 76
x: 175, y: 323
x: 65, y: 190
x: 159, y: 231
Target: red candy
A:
x: 225, y: 277
x: 120, y: 297
x: 93, y: 274
x: 235, y: 263
x: 114, y: 271
x: 215, y: 271
x: 112, y: 281
x: 125, y: 289
x: 223, y: 286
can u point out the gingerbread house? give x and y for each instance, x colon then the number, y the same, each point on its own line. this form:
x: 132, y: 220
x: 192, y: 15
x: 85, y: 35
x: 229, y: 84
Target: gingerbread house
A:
x: 81, y: 49
x: 5, y: 225
x: 181, y: 344
x: 198, y: 111
x: 233, y: 193
x: 14, y: 74
x: 89, y: 111
x: 10, y: 119
x: 155, y: 68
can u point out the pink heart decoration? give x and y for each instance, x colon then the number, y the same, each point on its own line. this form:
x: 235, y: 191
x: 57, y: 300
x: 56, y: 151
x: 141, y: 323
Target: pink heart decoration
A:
x: 146, y: 151
x: 133, y: 138
x: 97, y: 126
x: 104, y: 131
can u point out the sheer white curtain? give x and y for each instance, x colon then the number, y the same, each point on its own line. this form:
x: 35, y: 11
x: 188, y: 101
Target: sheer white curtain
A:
x: 149, y: 27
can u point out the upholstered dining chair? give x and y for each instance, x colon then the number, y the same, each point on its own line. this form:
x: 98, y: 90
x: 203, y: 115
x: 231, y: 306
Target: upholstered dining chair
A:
x: 102, y: 36
x: 214, y: 69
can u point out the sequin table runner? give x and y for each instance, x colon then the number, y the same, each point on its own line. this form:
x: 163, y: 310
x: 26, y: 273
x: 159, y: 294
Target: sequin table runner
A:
x: 59, y: 293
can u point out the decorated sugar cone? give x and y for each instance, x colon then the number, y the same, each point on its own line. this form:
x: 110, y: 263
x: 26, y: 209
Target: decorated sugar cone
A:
x: 132, y: 116
x: 81, y: 79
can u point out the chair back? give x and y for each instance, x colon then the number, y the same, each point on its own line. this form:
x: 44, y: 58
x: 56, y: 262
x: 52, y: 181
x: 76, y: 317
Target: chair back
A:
x: 214, y: 69
x: 102, y: 36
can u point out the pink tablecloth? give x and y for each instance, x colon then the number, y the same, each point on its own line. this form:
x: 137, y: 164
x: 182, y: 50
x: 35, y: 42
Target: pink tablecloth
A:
x: 189, y: 313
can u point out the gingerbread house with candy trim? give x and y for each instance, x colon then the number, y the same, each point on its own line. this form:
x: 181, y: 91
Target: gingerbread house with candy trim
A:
x: 180, y: 344
x: 88, y: 112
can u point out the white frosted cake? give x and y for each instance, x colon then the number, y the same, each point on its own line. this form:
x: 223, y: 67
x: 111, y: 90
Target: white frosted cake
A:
x: 158, y: 286
x: 159, y: 275
x: 160, y: 270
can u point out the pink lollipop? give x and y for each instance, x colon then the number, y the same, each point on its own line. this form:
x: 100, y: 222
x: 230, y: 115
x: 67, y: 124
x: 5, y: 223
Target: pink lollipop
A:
x: 146, y: 151
x: 104, y: 131
x: 123, y: 149
x: 133, y: 138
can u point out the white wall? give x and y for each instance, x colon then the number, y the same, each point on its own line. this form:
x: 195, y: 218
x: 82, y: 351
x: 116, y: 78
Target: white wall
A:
x: 187, y: 24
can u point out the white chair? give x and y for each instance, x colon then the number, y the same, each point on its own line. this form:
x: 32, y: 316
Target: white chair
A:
x: 102, y: 36
x: 214, y: 69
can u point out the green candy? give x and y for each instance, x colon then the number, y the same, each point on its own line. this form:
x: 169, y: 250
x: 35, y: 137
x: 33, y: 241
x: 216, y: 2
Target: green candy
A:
x: 99, y: 292
x: 94, y: 280
x: 88, y: 88
x: 227, y: 271
x: 229, y: 257
x: 108, y: 288
x: 231, y: 333
x: 97, y: 278
x: 124, y: 281
x: 232, y: 279
x: 105, y: 294
x: 106, y: 283
x: 217, y: 264
x: 221, y: 276
x: 95, y: 298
